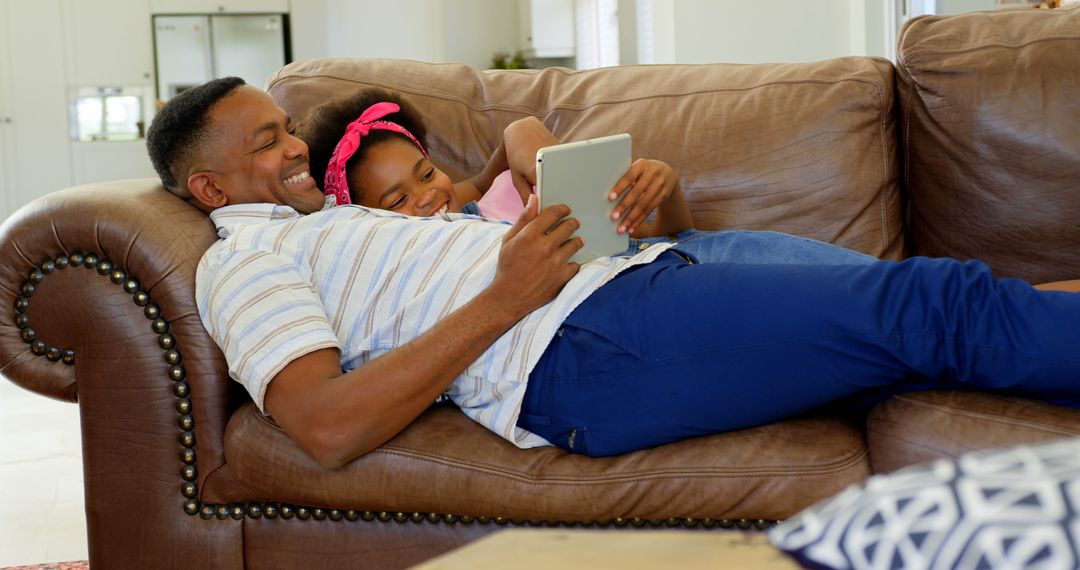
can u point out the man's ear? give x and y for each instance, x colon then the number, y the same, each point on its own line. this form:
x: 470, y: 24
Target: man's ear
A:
x: 206, y: 192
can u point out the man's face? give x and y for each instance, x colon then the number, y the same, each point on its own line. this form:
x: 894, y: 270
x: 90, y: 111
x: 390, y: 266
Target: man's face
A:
x: 254, y: 156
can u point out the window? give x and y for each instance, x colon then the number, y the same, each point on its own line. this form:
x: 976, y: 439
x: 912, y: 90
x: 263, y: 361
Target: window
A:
x: 597, y: 29
x: 899, y: 11
x: 646, y: 50
x: 107, y: 114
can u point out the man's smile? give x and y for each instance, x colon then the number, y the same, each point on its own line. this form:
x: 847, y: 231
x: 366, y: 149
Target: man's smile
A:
x: 297, y: 178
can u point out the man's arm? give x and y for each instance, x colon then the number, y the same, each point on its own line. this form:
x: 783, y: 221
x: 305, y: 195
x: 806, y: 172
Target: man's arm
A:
x: 336, y: 417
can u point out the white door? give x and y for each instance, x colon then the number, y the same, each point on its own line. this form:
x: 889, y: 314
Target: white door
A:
x: 6, y: 165
x: 109, y: 42
x: 38, y: 158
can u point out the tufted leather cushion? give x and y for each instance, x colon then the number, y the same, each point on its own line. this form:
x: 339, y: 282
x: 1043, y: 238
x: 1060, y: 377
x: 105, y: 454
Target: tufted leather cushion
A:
x: 990, y: 126
x: 807, y: 149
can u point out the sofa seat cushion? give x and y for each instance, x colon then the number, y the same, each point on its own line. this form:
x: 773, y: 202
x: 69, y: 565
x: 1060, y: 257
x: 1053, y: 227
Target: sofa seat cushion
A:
x: 921, y: 426
x: 446, y: 463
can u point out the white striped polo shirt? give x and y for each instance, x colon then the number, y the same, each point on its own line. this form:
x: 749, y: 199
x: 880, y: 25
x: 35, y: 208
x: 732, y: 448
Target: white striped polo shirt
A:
x: 280, y: 285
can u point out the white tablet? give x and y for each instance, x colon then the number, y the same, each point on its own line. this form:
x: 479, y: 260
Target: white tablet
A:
x: 580, y: 175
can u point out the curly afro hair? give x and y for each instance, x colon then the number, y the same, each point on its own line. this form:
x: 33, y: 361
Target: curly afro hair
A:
x: 324, y: 126
x: 180, y: 127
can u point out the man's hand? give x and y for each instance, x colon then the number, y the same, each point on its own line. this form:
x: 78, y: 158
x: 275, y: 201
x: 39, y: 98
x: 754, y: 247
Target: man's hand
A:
x: 650, y: 183
x: 534, y: 261
x: 522, y: 139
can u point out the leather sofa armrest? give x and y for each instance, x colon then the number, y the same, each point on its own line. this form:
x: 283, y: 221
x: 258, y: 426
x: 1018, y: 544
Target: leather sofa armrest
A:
x: 97, y: 305
x: 141, y: 230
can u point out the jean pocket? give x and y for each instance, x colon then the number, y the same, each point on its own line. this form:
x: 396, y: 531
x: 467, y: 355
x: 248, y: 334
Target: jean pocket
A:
x: 588, y: 353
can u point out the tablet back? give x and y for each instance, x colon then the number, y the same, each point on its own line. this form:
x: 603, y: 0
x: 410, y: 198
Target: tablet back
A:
x: 580, y: 174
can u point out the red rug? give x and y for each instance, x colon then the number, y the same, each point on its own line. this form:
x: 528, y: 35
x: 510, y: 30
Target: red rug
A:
x: 73, y: 565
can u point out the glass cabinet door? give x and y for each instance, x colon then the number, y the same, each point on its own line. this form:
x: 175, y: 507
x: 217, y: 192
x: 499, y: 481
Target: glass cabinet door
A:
x: 251, y: 47
x: 182, y: 53
x: 193, y: 49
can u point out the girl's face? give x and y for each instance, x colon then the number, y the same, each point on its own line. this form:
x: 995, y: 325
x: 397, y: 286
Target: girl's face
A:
x: 396, y: 176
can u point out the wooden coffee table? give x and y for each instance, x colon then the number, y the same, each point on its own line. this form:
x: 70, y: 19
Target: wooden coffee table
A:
x: 549, y: 549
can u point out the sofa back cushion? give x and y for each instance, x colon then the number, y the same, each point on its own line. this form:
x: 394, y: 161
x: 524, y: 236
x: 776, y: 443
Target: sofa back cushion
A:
x: 990, y: 125
x: 807, y: 149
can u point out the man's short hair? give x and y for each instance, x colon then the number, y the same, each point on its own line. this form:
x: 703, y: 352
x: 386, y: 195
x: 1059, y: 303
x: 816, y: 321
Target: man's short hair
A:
x: 180, y: 127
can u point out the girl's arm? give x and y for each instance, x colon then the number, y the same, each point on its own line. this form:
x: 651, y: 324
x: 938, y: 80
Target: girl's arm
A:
x: 475, y: 187
x: 516, y: 152
x: 523, y: 138
x: 652, y: 185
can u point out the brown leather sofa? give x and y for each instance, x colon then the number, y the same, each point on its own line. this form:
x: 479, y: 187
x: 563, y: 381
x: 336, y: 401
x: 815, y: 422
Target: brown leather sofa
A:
x: 969, y: 146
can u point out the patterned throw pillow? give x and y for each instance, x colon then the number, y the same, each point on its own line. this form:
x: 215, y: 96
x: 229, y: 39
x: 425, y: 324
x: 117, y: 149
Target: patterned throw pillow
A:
x: 1016, y: 508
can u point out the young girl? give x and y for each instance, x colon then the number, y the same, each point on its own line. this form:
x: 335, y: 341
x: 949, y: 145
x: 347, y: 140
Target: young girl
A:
x: 368, y: 148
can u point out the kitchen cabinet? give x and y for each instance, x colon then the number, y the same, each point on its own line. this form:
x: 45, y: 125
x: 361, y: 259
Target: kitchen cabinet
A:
x: 5, y: 118
x: 219, y: 6
x: 193, y: 49
x: 108, y: 43
x: 547, y: 28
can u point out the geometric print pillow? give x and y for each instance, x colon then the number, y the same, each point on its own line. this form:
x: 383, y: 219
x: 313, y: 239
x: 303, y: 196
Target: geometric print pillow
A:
x: 1017, y: 508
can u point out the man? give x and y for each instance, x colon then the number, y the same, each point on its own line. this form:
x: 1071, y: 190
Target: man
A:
x: 345, y: 323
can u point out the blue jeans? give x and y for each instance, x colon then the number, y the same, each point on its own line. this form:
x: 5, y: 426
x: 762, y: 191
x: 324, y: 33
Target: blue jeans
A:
x: 745, y: 246
x: 670, y: 350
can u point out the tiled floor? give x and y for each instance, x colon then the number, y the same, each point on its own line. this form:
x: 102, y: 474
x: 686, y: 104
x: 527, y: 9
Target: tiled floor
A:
x: 41, y: 492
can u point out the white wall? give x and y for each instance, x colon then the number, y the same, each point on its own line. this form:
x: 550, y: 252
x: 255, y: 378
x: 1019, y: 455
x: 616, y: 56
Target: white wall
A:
x: 7, y: 135
x: 36, y: 95
x: 49, y: 48
x: 403, y: 29
x: 309, y: 21
x: 108, y: 43
x: 628, y: 44
x: 876, y: 41
x: 475, y: 29
x: 80, y: 42
x: 959, y: 6
x: 737, y: 31
x: 459, y: 31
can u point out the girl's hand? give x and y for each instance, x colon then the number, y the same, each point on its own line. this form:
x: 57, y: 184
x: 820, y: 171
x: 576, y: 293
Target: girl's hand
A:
x: 650, y: 182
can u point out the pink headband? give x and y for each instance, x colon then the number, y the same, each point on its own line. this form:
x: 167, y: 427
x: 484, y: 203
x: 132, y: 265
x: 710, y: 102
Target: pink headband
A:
x: 335, y: 183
